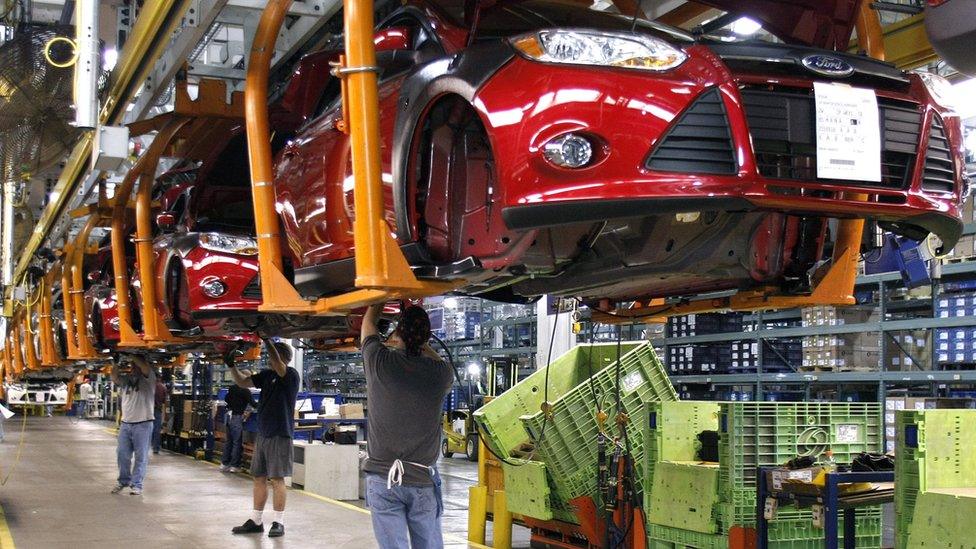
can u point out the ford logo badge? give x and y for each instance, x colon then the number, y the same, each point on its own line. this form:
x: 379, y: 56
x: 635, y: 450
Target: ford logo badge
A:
x: 828, y: 65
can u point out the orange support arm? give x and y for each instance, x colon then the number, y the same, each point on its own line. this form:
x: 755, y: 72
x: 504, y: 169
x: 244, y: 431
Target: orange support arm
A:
x: 83, y: 342
x: 68, y: 302
x: 144, y: 170
x: 49, y: 353
x: 15, y: 350
x: 30, y: 344
x: 382, y: 272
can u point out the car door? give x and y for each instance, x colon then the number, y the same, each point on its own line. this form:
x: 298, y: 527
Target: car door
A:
x: 314, y: 177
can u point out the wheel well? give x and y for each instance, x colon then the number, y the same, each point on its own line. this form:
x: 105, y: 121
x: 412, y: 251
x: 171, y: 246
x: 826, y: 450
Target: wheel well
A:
x: 447, y: 110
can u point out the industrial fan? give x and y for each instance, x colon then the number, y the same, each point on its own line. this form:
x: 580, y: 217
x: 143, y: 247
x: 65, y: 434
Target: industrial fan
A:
x: 35, y: 103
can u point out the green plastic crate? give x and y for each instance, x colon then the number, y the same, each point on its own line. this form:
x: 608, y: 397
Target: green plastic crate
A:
x: 783, y: 534
x: 948, y: 520
x: 933, y: 451
x: 528, y: 492
x: 671, y: 432
x: 498, y: 420
x: 765, y: 434
x: 684, y: 496
x: 568, y: 445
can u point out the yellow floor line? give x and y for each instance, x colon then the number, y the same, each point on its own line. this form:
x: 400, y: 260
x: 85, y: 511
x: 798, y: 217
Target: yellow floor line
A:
x: 6, y: 540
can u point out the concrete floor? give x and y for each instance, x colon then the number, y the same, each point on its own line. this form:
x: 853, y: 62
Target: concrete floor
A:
x: 58, y: 496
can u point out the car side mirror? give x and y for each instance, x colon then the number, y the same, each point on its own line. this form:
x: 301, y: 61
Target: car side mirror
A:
x: 94, y: 276
x: 393, y: 38
x: 166, y: 222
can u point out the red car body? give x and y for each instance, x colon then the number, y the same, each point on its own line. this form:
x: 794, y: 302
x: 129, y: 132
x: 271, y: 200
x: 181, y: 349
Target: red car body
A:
x: 724, y: 137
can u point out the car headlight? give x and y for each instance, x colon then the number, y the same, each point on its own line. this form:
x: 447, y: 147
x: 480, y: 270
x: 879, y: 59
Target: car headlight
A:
x: 607, y: 49
x: 240, y: 245
x: 940, y: 89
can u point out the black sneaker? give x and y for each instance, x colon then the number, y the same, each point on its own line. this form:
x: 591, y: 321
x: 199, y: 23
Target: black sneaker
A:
x: 249, y: 527
x: 277, y: 530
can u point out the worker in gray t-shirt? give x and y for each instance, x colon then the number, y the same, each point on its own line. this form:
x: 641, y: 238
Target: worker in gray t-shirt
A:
x: 137, y: 395
x: 406, y: 383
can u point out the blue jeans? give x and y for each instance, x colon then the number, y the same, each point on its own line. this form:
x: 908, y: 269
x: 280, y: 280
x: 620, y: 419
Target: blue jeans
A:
x: 234, y: 446
x: 133, y: 439
x: 157, y: 432
x: 405, y: 510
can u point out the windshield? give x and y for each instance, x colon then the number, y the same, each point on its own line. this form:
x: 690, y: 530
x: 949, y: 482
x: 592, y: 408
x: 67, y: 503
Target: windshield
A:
x: 507, y: 19
x: 236, y: 217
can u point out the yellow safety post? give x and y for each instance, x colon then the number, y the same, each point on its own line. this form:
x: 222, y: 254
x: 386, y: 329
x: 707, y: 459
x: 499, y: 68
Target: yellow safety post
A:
x: 477, y: 513
x: 382, y: 272
x: 501, y: 522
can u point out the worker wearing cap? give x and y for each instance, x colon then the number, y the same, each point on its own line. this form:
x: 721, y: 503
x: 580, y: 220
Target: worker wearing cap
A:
x: 273, y: 446
x: 406, y: 383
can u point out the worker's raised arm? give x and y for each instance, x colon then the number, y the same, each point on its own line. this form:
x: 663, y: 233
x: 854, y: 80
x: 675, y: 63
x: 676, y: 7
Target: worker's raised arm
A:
x: 115, y: 372
x: 142, y: 364
x: 278, y: 363
x: 240, y: 379
x: 370, y: 319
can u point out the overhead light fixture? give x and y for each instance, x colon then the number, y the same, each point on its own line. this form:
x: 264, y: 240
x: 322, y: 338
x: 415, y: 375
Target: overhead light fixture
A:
x: 109, y: 58
x: 745, y: 26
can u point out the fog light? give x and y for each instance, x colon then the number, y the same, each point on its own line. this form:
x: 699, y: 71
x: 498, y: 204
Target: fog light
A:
x: 213, y: 287
x: 569, y: 151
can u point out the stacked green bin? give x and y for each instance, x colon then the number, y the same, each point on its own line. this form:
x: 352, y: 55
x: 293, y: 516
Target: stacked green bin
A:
x: 567, y: 441
x: 766, y: 434
x: 753, y: 435
x: 934, y: 450
x: 504, y: 433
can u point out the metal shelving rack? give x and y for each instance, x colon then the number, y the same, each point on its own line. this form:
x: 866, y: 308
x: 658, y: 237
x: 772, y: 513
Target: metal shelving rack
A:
x: 882, y: 377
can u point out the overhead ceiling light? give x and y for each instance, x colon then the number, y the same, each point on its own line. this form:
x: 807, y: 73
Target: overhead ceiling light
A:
x: 110, y: 58
x: 745, y: 26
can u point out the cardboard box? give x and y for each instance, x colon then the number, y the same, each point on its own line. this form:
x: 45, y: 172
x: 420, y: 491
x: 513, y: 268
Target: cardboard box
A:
x: 351, y: 411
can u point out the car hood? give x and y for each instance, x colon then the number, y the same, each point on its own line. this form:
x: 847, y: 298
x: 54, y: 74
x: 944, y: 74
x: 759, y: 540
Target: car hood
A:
x: 819, y: 23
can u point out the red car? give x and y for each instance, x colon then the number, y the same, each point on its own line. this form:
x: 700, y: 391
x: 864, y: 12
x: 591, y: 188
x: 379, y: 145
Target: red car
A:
x: 100, y: 302
x: 555, y: 149
x: 206, y: 262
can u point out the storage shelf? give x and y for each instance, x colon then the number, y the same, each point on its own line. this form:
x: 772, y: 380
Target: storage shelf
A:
x: 940, y: 376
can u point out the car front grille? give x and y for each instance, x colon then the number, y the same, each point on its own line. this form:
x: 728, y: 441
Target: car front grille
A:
x: 699, y: 142
x: 782, y: 123
x: 253, y: 288
x: 783, y: 129
x: 940, y: 173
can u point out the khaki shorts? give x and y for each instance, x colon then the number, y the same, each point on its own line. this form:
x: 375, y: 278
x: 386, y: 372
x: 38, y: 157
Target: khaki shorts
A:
x: 273, y: 457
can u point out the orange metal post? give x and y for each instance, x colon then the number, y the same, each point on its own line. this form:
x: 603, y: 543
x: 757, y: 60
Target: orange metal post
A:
x: 83, y: 342
x: 15, y: 349
x: 145, y: 171
x: 68, y: 302
x: 153, y: 328
x: 382, y: 272
x: 30, y: 344
x: 49, y: 354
